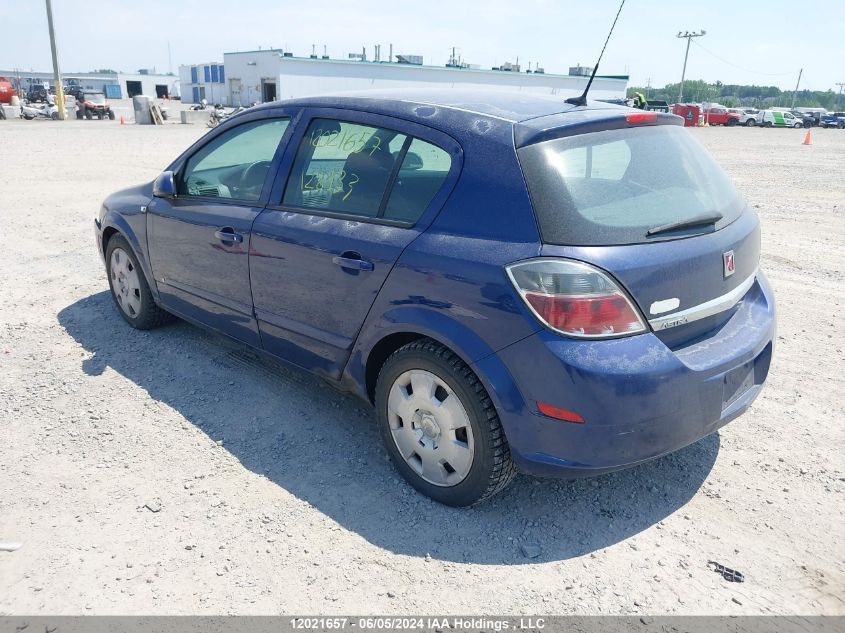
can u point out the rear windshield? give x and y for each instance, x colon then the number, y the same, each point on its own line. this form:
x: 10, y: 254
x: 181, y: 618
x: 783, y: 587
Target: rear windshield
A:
x: 611, y: 187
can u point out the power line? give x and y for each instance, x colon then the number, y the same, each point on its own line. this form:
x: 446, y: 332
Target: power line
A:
x: 753, y: 72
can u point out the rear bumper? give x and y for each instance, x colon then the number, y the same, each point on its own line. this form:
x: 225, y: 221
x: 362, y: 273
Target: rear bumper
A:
x: 639, y: 398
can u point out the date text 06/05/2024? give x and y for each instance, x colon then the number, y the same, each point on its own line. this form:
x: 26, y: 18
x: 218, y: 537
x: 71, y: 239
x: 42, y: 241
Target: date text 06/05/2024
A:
x: 417, y: 623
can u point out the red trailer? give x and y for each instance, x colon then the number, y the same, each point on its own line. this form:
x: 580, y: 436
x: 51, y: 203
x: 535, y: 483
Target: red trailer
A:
x: 6, y: 90
x: 690, y: 112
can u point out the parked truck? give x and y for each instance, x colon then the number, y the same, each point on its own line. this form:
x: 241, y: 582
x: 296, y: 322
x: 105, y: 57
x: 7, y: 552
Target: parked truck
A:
x: 833, y: 119
x: 718, y: 115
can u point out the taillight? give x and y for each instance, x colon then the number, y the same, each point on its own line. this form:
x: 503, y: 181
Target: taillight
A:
x: 575, y: 299
x: 638, y: 118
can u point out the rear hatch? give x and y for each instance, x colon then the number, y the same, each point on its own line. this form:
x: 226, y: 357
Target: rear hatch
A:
x: 636, y: 195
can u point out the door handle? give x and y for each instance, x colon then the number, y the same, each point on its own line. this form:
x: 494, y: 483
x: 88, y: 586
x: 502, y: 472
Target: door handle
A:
x: 227, y: 234
x: 353, y: 261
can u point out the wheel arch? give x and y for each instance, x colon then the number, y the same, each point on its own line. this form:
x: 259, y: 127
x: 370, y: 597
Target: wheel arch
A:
x: 402, y: 326
x: 380, y: 352
x: 116, y: 224
x: 496, y: 378
x: 108, y: 233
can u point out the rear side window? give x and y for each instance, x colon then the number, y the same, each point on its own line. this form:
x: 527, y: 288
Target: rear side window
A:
x: 611, y: 187
x: 344, y: 167
x: 235, y: 164
x: 372, y: 172
x: 422, y: 173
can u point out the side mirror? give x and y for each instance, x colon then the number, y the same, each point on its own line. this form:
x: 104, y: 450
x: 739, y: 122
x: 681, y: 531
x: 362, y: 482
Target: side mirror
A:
x: 164, y: 185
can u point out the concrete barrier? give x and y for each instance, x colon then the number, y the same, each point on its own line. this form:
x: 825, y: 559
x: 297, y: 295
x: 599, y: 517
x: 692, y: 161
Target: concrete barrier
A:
x: 11, y: 112
x: 195, y: 116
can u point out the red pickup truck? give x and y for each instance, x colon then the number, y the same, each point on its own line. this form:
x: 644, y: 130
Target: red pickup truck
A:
x: 720, y: 116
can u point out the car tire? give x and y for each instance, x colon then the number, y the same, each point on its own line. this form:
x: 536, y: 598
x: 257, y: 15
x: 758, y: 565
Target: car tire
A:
x: 111, y: 115
x: 129, y: 288
x: 99, y: 116
x: 55, y: 116
x: 841, y: 126
x: 480, y: 465
x: 767, y: 124
x: 750, y: 123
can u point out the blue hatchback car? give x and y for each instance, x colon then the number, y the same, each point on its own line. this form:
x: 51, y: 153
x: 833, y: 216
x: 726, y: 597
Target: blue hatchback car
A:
x: 514, y: 282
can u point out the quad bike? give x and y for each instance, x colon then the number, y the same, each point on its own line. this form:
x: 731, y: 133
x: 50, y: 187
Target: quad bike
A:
x: 47, y: 111
x: 93, y: 104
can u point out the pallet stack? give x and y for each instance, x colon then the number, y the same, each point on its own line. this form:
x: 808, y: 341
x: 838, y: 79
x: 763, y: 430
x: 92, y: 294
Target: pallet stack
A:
x: 155, y: 113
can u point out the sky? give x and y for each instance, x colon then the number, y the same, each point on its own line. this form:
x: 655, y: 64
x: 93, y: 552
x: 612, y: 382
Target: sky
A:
x: 750, y: 42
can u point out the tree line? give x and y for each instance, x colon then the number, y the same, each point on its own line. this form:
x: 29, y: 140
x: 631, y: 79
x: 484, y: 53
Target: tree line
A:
x: 735, y: 95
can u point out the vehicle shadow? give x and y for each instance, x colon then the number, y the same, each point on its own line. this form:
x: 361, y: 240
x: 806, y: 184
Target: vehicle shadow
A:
x: 324, y: 448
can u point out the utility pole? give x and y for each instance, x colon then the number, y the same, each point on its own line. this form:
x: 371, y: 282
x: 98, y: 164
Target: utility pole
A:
x: 57, y: 75
x: 839, y: 97
x: 794, y: 92
x: 688, y: 36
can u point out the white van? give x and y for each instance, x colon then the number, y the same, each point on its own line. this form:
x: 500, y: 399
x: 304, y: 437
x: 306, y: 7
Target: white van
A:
x: 776, y: 118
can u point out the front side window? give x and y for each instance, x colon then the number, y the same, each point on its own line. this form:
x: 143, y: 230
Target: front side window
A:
x: 344, y: 167
x: 235, y: 164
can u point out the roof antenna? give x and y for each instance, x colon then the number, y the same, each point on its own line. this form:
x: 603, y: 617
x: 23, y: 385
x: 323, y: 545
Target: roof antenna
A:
x: 582, y: 100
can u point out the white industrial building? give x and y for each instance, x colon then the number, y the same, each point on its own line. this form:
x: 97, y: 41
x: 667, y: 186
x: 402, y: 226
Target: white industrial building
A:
x: 271, y: 74
x: 114, y: 86
x: 204, y: 81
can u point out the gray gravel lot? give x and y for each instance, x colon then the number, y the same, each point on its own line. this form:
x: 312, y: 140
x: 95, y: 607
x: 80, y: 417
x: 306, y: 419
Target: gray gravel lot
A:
x: 172, y: 472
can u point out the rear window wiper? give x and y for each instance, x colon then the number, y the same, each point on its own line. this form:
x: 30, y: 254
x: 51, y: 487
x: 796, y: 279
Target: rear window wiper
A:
x: 697, y: 220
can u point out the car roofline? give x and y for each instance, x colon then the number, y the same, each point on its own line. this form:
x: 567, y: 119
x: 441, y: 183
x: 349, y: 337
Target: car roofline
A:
x: 317, y: 101
x: 362, y: 98
x: 568, y: 120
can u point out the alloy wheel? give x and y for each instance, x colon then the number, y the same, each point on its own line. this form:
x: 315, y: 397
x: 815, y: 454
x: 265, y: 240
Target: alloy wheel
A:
x: 126, y: 285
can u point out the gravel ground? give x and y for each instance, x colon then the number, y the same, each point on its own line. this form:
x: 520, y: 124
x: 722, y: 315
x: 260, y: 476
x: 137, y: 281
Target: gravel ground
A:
x: 171, y: 472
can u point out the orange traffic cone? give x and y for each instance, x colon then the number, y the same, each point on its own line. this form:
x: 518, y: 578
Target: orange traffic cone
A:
x: 807, y: 140
x: 122, y: 122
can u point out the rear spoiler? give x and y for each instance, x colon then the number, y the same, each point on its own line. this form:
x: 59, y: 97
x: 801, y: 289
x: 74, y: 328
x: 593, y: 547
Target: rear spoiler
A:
x: 571, y: 123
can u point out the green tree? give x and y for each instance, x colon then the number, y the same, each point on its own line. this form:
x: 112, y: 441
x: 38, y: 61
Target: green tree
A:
x: 733, y: 95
